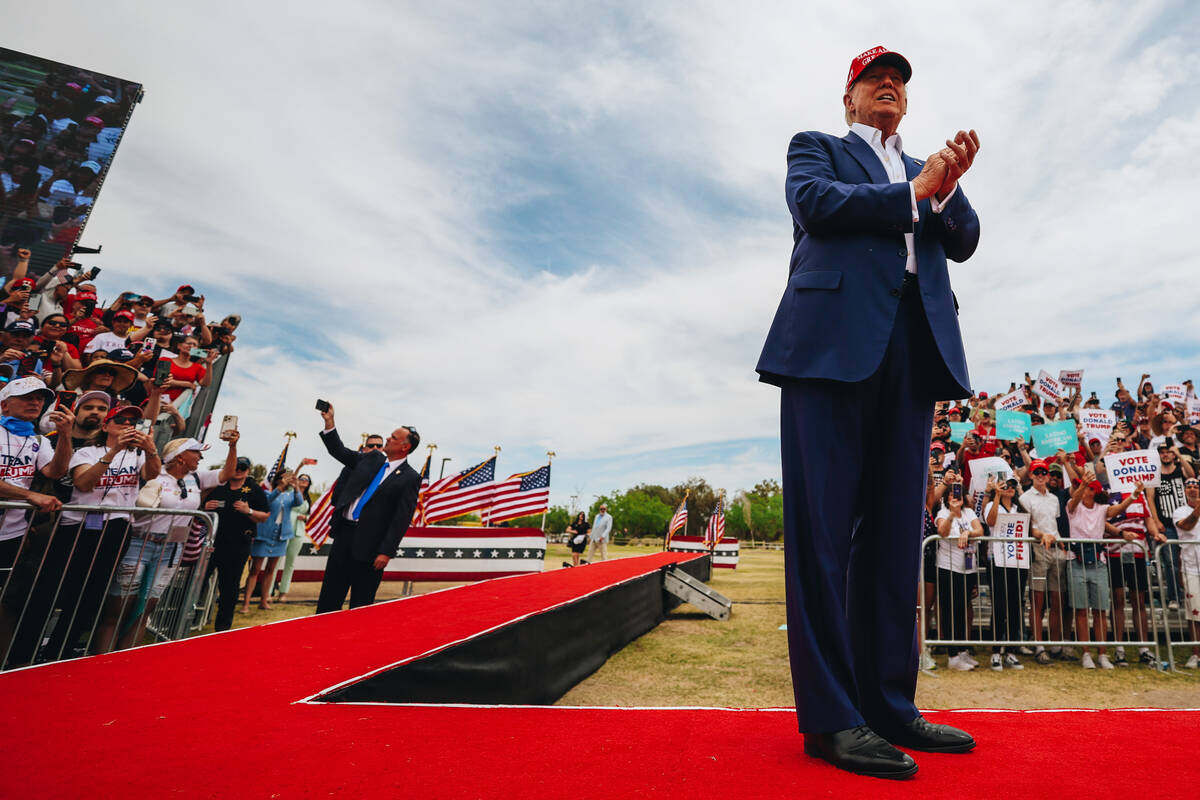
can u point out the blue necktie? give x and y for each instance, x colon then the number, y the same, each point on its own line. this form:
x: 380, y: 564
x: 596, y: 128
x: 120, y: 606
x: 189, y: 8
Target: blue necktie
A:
x: 358, y: 507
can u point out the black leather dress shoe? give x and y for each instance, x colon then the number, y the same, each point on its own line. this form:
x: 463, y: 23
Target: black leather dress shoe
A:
x: 861, y: 751
x: 921, y: 734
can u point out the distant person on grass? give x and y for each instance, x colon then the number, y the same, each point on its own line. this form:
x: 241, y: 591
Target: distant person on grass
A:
x: 601, y: 527
x: 577, y: 537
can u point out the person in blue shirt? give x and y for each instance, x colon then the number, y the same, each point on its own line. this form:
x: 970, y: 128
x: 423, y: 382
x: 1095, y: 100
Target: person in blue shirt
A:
x: 271, y: 541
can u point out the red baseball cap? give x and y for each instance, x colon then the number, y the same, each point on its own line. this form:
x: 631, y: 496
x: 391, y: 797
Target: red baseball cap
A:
x: 1038, y: 464
x: 123, y: 315
x: 119, y: 410
x: 937, y: 446
x: 1096, y: 486
x: 882, y: 55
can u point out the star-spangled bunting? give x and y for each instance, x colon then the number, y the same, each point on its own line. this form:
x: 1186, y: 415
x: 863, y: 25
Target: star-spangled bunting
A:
x: 469, y: 490
x: 520, y: 495
x: 317, y: 525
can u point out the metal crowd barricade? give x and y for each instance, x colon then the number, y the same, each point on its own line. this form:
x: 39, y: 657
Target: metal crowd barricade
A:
x: 1182, y: 627
x: 967, y: 606
x: 100, y: 583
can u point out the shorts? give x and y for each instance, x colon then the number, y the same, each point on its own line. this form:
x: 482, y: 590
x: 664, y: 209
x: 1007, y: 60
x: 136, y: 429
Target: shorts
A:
x: 143, y: 556
x: 1048, y: 571
x: 1191, y: 596
x: 1128, y: 573
x: 1088, y: 586
x: 930, y: 558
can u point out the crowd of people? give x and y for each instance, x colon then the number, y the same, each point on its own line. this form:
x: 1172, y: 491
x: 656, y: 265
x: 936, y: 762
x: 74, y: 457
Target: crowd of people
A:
x: 1068, y: 589
x: 97, y: 404
x: 56, y: 141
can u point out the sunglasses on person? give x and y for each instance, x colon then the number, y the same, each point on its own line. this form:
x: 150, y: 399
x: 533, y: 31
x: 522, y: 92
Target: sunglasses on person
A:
x: 124, y: 420
x: 373, y: 445
x: 1041, y: 472
x: 1191, y: 483
x: 182, y: 488
x: 54, y: 323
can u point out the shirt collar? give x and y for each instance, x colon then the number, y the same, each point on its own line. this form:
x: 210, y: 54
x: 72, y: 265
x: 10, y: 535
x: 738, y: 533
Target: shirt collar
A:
x: 874, y: 137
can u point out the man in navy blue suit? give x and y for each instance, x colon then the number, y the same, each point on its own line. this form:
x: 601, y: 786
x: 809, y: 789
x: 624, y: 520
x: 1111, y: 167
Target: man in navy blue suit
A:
x: 864, y: 343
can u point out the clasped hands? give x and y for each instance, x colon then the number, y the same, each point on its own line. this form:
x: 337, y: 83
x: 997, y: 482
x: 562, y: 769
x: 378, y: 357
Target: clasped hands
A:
x: 942, y: 170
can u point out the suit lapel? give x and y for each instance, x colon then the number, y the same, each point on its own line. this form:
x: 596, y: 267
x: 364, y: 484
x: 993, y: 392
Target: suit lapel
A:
x: 864, y: 155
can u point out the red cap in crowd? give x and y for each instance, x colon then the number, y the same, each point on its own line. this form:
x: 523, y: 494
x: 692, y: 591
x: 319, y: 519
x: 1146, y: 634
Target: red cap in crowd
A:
x: 882, y: 55
x: 1038, y: 464
x: 983, y: 395
x: 123, y: 315
x: 119, y: 410
x: 1096, y: 486
x: 937, y: 446
x: 86, y: 296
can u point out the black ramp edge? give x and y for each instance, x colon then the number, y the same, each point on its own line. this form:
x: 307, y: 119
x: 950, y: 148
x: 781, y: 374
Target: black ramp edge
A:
x: 534, y: 661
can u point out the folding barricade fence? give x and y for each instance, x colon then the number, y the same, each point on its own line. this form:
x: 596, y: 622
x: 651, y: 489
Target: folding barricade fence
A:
x: 1179, y: 598
x: 992, y: 593
x: 91, y: 579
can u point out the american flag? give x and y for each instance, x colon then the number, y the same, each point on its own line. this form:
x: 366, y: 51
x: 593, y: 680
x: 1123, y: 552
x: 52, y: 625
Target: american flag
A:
x: 419, y: 512
x: 679, y: 520
x: 469, y: 490
x: 521, y: 495
x: 317, y: 526
x: 716, y: 526
x: 278, y: 467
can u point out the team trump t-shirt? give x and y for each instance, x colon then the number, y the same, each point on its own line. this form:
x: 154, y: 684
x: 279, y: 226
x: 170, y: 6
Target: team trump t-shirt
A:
x: 20, y: 458
x: 118, y: 486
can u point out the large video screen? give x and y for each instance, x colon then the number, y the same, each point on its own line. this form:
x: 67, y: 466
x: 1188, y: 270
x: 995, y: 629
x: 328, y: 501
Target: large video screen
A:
x: 59, y: 130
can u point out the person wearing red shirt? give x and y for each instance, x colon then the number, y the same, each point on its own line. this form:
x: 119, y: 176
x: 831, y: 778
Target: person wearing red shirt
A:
x: 188, y: 374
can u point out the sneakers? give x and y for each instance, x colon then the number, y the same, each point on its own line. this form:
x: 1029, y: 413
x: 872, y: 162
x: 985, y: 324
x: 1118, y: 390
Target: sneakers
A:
x: 1043, y: 657
x: 969, y: 659
x: 1069, y: 654
x: 1103, y: 661
x: 1025, y: 651
x: 960, y: 663
x: 1146, y: 658
x: 1012, y: 662
x: 1087, y: 661
x: 1193, y: 662
x: 997, y: 663
x: 1120, y: 658
x: 927, y: 662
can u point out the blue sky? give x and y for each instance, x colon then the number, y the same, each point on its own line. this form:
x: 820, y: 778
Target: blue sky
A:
x: 557, y: 226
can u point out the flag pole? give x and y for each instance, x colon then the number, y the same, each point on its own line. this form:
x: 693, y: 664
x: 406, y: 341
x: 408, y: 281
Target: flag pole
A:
x: 487, y: 519
x: 428, y: 463
x: 549, y: 457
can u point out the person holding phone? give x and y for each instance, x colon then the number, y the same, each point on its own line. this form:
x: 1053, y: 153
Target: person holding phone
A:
x: 957, y: 525
x: 240, y: 505
x: 271, y: 540
x: 188, y: 374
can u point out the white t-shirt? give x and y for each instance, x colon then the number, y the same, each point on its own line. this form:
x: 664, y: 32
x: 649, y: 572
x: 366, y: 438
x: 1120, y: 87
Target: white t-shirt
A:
x: 1189, y: 555
x: 195, y: 483
x: 949, y: 556
x: 1043, y: 510
x: 118, y: 486
x: 20, y: 458
x: 107, y: 342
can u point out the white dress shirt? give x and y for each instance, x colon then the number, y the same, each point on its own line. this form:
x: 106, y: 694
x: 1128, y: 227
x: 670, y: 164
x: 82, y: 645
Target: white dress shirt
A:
x: 889, y: 154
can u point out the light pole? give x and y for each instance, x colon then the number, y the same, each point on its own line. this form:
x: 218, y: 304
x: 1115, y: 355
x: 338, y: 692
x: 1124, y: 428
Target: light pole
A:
x: 443, y: 470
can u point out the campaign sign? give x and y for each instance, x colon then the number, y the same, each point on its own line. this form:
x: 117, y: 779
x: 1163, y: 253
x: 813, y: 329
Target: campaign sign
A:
x: 960, y: 429
x: 1071, y: 377
x: 1012, y: 553
x: 1011, y: 400
x: 1126, y: 469
x: 1097, y: 422
x: 1011, y: 424
x: 1054, y: 436
x: 1048, y: 388
x: 1176, y: 393
x: 1193, y: 410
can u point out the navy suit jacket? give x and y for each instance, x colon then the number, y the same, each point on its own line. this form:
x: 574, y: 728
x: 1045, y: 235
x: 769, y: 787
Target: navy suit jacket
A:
x: 848, y: 263
x: 386, y: 516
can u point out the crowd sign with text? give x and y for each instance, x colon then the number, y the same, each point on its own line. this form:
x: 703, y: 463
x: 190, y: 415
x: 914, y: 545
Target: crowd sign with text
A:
x: 960, y: 429
x: 1193, y: 410
x: 1098, y: 423
x: 1071, y: 377
x: 1054, y: 436
x: 1127, y: 469
x: 1176, y: 393
x: 1048, y: 388
x: 1011, y: 424
x: 1010, y: 401
x: 1011, y: 553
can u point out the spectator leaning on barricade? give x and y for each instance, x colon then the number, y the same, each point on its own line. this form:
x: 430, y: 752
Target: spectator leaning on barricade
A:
x: 1087, y: 574
x: 156, y: 543
x: 1164, y: 499
x: 1007, y: 581
x: 1128, y: 570
x: 957, y: 525
x: 1048, y: 572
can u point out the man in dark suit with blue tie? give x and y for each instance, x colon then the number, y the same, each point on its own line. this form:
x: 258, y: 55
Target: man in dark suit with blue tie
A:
x: 373, y: 504
x: 864, y: 342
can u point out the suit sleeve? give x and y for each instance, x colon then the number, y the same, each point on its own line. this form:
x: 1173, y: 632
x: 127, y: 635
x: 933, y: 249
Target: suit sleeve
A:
x: 958, y: 227
x: 405, y: 506
x: 333, y: 443
x: 823, y: 205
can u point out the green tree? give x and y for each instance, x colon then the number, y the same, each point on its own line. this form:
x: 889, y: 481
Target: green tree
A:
x: 556, y: 520
x: 642, y: 512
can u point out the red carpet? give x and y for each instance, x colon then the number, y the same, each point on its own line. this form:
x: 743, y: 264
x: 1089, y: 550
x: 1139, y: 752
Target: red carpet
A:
x: 223, y: 716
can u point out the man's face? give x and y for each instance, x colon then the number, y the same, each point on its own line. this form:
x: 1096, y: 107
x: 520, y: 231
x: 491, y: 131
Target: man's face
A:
x: 18, y: 341
x: 91, y: 414
x: 396, y: 445
x: 603, y: 509
x: 27, y: 406
x: 1166, y: 455
x: 120, y: 326
x: 373, y: 443
x: 1191, y: 490
x: 1096, y: 448
x: 120, y: 423
x: 878, y: 98
x: 1041, y: 477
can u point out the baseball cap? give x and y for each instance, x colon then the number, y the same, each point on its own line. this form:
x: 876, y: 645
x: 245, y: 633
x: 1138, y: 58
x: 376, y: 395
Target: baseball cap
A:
x: 243, y: 463
x: 121, y: 410
x: 85, y: 296
x: 24, y: 282
x: 21, y: 326
x: 883, y: 56
x: 1038, y: 464
x: 123, y: 315
x: 1095, y: 439
x: 120, y: 355
x: 23, y: 386
x: 91, y: 120
x: 187, y: 287
x: 177, y: 447
x: 92, y: 166
x: 937, y: 446
x: 189, y: 309
x: 94, y: 394
x: 1096, y: 486
x: 983, y: 395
